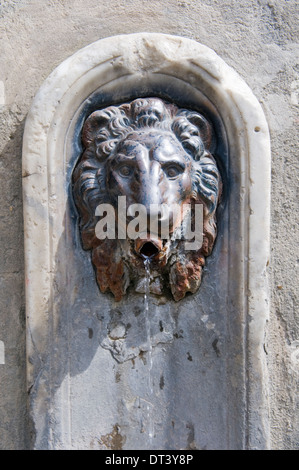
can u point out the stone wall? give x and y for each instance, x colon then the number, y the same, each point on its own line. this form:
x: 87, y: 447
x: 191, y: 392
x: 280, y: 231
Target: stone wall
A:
x: 257, y: 38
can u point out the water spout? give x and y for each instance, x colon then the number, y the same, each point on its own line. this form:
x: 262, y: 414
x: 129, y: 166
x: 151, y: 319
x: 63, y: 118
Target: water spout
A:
x: 147, y: 262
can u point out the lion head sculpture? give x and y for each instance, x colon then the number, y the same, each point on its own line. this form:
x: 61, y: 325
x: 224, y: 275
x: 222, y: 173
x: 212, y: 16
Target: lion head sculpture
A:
x: 157, y: 155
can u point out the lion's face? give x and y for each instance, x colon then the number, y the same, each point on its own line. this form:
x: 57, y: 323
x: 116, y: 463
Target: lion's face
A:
x: 154, y: 155
x: 151, y: 169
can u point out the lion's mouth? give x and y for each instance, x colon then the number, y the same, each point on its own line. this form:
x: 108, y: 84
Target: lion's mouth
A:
x: 148, y: 248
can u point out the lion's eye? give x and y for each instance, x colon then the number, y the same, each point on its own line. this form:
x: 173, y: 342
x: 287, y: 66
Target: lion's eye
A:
x: 173, y: 171
x: 125, y: 171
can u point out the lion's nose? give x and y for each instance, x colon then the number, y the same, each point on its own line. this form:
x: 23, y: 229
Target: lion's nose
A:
x: 148, y: 247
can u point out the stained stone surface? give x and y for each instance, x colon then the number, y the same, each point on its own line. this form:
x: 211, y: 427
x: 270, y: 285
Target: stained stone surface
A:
x: 96, y: 365
x: 258, y: 39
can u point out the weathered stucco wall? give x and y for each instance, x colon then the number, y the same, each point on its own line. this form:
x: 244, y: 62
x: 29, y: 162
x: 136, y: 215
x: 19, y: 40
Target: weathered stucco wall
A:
x: 256, y: 38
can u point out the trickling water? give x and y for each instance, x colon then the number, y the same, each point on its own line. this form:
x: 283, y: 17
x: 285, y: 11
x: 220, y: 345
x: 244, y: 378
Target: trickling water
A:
x: 147, y: 262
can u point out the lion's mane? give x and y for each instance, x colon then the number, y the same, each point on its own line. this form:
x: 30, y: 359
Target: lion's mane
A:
x: 104, y: 129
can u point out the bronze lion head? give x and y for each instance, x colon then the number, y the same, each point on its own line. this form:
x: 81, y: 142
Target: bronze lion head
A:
x: 158, y: 156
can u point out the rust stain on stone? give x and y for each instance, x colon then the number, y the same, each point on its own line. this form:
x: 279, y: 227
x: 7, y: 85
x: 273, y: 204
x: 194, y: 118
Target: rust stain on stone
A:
x: 114, y: 440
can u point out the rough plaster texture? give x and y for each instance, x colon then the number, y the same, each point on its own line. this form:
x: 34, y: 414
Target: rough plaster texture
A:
x: 258, y: 39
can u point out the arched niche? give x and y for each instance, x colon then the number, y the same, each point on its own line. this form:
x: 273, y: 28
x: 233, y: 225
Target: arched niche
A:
x: 87, y: 387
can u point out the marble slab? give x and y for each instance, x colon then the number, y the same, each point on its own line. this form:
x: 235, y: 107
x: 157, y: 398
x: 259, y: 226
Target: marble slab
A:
x: 91, y: 384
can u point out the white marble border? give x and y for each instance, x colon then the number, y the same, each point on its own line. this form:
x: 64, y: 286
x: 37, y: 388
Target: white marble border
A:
x: 46, y: 127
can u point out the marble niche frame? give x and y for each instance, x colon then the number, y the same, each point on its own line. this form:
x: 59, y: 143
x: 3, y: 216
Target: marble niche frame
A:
x: 136, y: 56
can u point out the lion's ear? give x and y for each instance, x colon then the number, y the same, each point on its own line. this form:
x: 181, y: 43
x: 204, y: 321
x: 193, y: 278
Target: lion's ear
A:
x: 93, y: 124
x: 207, y: 183
x: 205, y: 129
x: 194, y: 132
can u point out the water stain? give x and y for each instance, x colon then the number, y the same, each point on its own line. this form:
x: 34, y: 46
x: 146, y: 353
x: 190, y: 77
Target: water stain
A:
x: 90, y: 333
x: 189, y: 356
x: 117, y: 377
x: 191, y: 437
x: 215, y: 347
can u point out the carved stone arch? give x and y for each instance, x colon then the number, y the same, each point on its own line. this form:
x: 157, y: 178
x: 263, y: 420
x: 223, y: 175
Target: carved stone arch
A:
x: 223, y: 325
